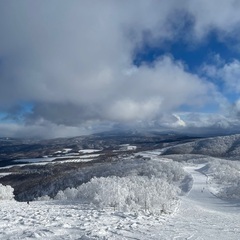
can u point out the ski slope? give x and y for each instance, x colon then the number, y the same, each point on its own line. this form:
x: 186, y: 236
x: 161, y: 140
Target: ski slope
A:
x: 204, y: 216
x: 201, y: 215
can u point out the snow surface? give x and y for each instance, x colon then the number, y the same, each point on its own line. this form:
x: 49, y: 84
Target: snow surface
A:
x: 71, y: 158
x: 89, y: 156
x: 75, y: 160
x: 34, y: 160
x: 89, y: 150
x: 84, y: 158
x: 5, y: 174
x: 201, y: 215
x: 154, y: 155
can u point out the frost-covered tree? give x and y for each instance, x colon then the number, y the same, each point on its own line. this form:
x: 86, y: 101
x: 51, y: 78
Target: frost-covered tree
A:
x: 227, y: 174
x: 6, y: 192
x: 162, y: 168
x: 133, y: 193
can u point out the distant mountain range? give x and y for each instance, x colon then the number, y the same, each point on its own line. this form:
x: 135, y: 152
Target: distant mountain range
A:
x: 11, y: 148
x: 221, y: 146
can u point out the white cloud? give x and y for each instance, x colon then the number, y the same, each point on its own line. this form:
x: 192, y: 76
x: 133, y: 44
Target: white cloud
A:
x: 129, y: 110
x: 230, y: 73
x: 179, y: 122
x: 74, y: 59
x: 227, y: 72
x: 42, y: 129
x: 214, y: 15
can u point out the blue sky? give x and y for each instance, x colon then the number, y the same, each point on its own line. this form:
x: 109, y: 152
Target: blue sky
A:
x: 77, y: 67
x: 194, y: 57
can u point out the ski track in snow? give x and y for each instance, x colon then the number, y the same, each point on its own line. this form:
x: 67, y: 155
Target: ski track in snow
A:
x: 200, y: 216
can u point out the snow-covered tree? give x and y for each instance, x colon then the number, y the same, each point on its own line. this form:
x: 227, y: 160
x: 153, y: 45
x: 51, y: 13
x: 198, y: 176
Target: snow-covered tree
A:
x: 227, y: 174
x: 134, y: 193
x: 6, y: 192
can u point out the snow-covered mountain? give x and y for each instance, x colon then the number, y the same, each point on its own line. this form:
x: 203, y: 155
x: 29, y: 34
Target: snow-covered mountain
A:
x: 124, y: 193
x: 223, y: 146
x: 201, y: 215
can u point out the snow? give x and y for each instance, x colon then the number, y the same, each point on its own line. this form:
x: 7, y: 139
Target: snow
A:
x: 133, y: 193
x: 154, y: 155
x: 222, y: 146
x: 66, y: 150
x: 75, y: 160
x: 90, y: 156
x: 72, y: 154
x: 45, y: 220
x: 204, y: 216
x: 41, y: 162
x: 89, y: 151
x: 5, y: 174
x: 126, y: 147
x: 58, y: 152
x: 34, y: 160
x: 84, y: 158
x: 201, y: 215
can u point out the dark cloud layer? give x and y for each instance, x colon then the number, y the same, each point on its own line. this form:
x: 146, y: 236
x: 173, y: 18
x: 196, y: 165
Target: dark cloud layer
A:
x: 73, y: 61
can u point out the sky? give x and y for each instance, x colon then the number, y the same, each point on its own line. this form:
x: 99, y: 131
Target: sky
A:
x: 70, y: 68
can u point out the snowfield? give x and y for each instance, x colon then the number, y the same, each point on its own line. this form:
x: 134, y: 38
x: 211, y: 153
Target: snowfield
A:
x: 34, y: 160
x: 85, y: 151
x: 200, y: 215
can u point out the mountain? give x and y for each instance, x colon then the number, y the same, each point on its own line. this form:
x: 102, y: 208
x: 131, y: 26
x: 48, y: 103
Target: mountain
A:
x: 60, y: 163
x: 35, y: 167
x: 119, y: 186
x: 223, y: 146
x: 11, y: 149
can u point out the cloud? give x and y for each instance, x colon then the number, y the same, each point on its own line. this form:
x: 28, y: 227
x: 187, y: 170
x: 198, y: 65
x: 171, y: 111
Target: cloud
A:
x: 41, y: 130
x: 210, y: 15
x: 73, y: 61
x: 226, y: 72
x: 230, y: 73
x: 143, y: 93
x: 209, y: 123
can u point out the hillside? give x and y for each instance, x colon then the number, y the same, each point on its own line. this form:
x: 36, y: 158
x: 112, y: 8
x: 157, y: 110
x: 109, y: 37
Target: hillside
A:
x: 12, y: 149
x: 223, y: 146
x: 200, y: 216
x: 124, y: 193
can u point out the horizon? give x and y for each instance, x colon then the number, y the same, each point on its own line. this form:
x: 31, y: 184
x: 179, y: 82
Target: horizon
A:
x: 77, y: 68
x: 126, y: 133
